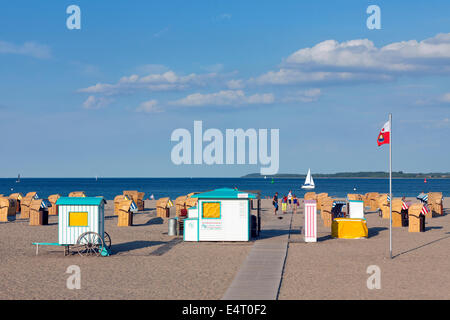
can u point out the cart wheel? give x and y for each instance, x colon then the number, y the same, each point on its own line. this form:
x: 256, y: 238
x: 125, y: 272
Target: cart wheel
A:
x: 107, y: 240
x: 90, y: 244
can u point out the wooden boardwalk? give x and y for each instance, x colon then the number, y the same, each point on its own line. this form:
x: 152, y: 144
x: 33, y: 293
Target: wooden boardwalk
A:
x: 259, y: 277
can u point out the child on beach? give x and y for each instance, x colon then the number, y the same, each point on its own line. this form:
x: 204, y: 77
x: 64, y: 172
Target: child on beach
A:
x: 275, y: 203
x: 284, y: 204
x: 295, y: 204
x: 289, y: 198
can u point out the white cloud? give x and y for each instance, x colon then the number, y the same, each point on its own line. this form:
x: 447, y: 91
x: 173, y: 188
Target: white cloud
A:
x: 445, y: 98
x: 361, y: 54
x: 235, y: 84
x: 31, y: 49
x: 361, y: 60
x: 292, y: 76
x: 93, y: 102
x: 309, y: 95
x: 150, y: 106
x: 327, y: 63
x: 153, y: 82
x: 224, y: 98
x: 442, y: 100
x: 218, y: 67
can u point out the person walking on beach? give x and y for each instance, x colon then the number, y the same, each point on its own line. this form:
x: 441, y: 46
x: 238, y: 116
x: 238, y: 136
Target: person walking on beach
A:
x: 284, y: 204
x: 289, y: 198
x: 295, y: 204
x: 275, y: 203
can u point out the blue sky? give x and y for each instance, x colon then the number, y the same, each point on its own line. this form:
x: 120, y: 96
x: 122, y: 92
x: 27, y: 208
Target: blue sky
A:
x: 105, y: 99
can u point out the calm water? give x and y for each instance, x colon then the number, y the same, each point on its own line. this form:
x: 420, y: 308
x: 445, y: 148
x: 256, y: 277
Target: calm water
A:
x: 174, y: 187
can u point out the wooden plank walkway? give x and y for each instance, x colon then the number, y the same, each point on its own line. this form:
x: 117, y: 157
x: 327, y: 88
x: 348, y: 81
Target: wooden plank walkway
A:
x: 260, y: 275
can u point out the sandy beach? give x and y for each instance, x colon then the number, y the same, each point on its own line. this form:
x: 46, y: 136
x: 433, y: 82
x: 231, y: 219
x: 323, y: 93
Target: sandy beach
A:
x: 148, y: 264
x: 336, y: 268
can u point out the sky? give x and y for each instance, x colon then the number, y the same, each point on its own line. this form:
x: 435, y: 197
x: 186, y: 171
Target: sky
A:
x: 105, y: 99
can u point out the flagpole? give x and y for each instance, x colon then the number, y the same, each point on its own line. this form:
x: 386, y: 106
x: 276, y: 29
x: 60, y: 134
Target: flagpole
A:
x: 390, y: 185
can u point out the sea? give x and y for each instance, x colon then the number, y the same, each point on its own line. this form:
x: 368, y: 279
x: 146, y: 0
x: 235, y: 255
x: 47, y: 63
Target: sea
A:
x: 175, y: 187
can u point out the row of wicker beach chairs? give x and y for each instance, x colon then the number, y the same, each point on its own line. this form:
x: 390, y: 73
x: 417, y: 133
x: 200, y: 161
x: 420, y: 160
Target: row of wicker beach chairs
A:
x: 37, y: 210
x: 375, y: 201
x: 123, y: 204
x: 30, y: 207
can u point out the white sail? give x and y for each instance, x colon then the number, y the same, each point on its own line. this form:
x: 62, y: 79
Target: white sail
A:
x: 309, y: 182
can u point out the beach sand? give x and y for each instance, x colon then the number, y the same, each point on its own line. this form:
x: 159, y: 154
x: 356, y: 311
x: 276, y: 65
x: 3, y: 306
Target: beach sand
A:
x: 146, y: 264
x: 336, y: 268
x: 149, y: 264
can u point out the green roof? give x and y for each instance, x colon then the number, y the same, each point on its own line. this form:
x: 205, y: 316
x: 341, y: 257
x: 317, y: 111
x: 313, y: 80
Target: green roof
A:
x: 80, y: 201
x: 225, y: 193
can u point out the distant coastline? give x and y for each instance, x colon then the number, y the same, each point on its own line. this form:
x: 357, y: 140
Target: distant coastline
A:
x: 356, y: 175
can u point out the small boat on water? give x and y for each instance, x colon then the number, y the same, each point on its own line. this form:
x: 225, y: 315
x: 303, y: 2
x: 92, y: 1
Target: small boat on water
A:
x: 18, y: 178
x: 309, y: 182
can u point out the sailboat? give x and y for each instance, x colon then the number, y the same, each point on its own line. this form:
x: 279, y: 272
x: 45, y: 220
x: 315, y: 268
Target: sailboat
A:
x: 309, y: 182
x: 18, y: 178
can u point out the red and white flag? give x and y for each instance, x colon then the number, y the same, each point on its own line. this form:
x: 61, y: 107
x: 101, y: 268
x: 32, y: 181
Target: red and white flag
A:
x: 384, y: 136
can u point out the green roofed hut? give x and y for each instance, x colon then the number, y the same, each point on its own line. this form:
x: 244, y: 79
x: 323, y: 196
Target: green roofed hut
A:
x: 81, y: 225
x: 220, y: 215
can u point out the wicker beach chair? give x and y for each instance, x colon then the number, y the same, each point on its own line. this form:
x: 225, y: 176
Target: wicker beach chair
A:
x: 310, y: 196
x: 25, y: 205
x: 137, y: 197
x: 117, y: 200
x: 77, y: 194
x: 37, y: 213
x: 435, y: 203
x: 382, y: 203
x: 320, y: 197
x: 163, y: 208
x: 354, y: 196
x: 373, y: 201
x: 327, y: 211
x: 18, y: 198
x: 7, y: 209
x: 397, y: 212
x: 53, y: 210
x: 416, y: 219
x: 180, y: 203
x: 125, y: 215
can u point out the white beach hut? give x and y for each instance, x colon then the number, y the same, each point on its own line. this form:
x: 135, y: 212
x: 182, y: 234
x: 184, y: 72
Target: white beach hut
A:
x: 220, y: 215
x: 81, y: 225
x: 78, y: 215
